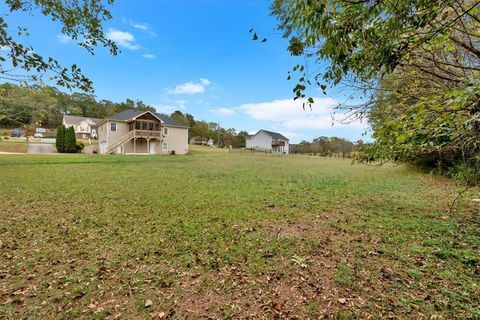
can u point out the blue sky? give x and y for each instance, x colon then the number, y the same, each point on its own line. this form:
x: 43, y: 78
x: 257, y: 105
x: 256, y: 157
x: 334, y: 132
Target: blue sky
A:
x: 197, y: 56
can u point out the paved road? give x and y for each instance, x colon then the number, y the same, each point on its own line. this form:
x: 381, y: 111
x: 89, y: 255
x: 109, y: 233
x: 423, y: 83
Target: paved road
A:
x: 41, y: 148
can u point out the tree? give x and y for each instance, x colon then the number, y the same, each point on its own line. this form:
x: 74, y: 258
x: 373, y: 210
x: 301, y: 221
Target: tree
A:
x: 60, y: 139
x: 79, y: 20
x: 45, y: 106
x: 70, y: 141
x: 201, y: 129
x: 414, y: 63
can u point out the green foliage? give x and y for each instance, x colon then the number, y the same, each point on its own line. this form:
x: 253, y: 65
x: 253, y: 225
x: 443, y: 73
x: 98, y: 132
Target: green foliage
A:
x: 210, y: 130
x: 325, y: 146
x: 66, y: 141
x: 79, y: 21
x: 45, y: 106
x: 70, y: 141
x: 415, y: 64
x: 79, y: 146
x: 60, y: 139
x: 466, y: 173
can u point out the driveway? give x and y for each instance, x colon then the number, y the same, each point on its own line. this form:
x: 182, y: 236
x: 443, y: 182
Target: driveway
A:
x: 41, y: 148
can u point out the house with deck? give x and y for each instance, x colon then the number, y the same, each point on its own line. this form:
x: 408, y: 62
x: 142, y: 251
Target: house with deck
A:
x: 268, y: 141
x: 85, y: 127
x: 141, y: 132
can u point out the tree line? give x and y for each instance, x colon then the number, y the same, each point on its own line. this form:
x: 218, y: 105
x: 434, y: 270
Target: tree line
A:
x: 327, y: 147
x: 40, y: 106
x: 205, y: 130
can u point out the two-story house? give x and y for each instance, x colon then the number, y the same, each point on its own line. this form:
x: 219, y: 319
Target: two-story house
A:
x: 141, y: 132
x: 84, y: 127
x: 268, y: 141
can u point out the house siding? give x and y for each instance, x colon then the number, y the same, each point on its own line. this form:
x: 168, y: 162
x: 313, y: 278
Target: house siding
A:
x: 177, y: 140
x: 263, y: 141
x: 260, y: 141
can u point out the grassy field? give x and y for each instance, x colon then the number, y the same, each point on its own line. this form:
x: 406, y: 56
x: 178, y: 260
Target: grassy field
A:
x: 224, y: 235
x: 14, y: 146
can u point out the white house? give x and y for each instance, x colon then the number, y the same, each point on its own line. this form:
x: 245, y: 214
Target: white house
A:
x: 84, y: 127
x: 268, y: 141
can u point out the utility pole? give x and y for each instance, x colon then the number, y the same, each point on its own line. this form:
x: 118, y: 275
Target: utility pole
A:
x: 218, y: 135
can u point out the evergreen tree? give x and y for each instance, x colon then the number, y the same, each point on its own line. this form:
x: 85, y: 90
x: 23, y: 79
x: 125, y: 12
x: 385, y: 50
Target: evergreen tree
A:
x: 70, y: 141
x: 60, y: 139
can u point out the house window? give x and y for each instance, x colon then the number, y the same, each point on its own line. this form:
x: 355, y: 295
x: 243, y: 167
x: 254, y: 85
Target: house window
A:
x: 150, y: 126
x: 113, y: 126
x: 165, y: 131
x: 165, y: 146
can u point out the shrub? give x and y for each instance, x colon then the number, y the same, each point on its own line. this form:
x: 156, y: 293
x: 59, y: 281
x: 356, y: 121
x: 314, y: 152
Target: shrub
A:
x: 466, y: 173
x: 79, y: 146
x: 60, y: 139
x: 70, y: 141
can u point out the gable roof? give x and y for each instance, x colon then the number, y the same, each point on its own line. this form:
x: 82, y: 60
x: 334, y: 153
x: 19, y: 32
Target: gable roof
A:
x: 130, y: 114
x: 274, y: 135
x: 76, y: 120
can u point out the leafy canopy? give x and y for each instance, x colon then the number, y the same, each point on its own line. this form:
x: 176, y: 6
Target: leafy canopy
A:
x: 81, y: 20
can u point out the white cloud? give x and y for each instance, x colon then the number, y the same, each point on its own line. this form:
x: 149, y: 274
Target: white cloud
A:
x: 190, y: 87
x: 171, y: 106
x: 63, y: 38
x: 205, y: 81
x: 290, y: 114
x: 223, y: 111
x: 145, y: 27
x: 149, y: 56
x: 123, y: 39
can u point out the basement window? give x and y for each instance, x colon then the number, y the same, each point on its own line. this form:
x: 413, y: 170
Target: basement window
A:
x: 165, y: 146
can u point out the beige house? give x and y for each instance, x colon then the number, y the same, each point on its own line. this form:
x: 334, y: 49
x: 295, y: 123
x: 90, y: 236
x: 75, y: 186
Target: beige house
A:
x: 141, y: 132
x: 85, y: 128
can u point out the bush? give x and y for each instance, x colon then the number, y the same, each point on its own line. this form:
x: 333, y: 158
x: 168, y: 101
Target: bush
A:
x: 65, y: 140
x: 466, y: 173
x: 79, y: 146
x: 60, y: 139
x: 70, y: 141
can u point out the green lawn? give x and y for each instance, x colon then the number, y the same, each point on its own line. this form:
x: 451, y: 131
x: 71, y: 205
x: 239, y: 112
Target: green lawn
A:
x: 224, y: 235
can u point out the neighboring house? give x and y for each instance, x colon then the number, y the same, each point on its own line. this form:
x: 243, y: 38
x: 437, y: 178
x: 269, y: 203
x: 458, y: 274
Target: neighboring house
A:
x: 141, y: 132
x: 84, y: 127
x: 202, y: 141
x: 268, y: 141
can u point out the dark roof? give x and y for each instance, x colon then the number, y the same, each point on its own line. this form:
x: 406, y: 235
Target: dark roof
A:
x: 131, y: 113
x: 274, y: 135
x: 75, y: 120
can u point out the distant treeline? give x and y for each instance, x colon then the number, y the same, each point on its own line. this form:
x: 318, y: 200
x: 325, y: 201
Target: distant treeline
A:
x: 327, y: 147
x: 40, y: 106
